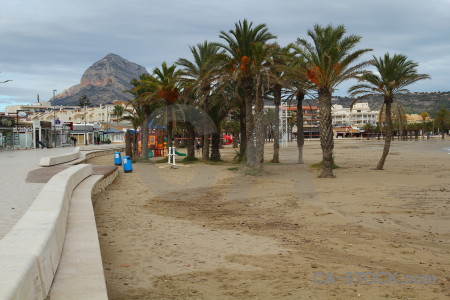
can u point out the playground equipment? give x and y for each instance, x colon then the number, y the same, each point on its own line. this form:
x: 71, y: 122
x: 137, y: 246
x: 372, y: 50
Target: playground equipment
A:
x: 228, y: 138
x: 179, y: 153
x: 171, y: 157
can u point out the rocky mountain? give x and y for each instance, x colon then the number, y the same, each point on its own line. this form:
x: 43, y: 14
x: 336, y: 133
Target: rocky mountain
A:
x: 103, y: 82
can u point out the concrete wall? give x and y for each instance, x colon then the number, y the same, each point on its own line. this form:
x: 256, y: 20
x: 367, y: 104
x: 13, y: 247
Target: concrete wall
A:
x: 31, y: 251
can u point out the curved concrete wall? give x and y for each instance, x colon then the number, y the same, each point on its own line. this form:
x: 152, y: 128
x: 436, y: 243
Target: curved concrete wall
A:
x: 60, y: 159
x: 30, y: 252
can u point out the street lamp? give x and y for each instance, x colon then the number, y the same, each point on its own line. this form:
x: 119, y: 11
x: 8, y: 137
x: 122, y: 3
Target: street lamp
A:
x: 85, y: 128
x: 54, y: 121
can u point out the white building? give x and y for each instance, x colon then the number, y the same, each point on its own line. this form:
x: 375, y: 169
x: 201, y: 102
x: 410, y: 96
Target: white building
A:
x: 357, y: 117
x: 99, y: 118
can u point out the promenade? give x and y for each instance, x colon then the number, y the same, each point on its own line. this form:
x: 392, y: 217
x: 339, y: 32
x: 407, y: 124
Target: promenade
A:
x: 16, y: 194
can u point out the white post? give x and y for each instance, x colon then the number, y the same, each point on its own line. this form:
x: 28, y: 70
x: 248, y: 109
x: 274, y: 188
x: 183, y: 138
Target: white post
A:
x: 169, y: 155
x: 173, y: 156
x: 284, y: 125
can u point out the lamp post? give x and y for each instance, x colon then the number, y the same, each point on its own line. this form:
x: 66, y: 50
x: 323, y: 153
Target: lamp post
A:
x: 54, y: 121
x: 85, y: 129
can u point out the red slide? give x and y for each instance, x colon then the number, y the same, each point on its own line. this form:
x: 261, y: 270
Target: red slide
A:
x: 228, y: 138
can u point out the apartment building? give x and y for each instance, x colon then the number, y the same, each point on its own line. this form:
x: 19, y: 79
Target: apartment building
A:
x: 360, y: 115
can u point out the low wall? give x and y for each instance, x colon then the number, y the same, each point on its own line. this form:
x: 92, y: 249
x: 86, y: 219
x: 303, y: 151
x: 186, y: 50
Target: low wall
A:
x: 102, y: 184
x: 80, y: 272
x: 31, y: 251
x: 60, y: 159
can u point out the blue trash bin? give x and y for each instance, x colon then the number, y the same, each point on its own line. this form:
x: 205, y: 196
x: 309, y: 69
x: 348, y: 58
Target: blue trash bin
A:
x: 127, y: 166
x: 117, y: 159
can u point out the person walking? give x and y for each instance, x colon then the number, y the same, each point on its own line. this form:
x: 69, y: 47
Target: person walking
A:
x: 197, y: 148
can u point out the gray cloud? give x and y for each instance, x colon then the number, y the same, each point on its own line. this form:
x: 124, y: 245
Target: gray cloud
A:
x: 47, y: 45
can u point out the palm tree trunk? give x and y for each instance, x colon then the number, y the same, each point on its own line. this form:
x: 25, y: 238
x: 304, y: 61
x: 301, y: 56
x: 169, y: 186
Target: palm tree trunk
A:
x: 220, y: 138
x: 215, y: 146
x: 205, y: 150
x: 135, y: 144
x: 144, y: 137
x: 242, y: 135
x: 250, y: 125
x: 259, y: 127
x: 326, y: 133
x: 276, y: 136
x: 169, y: 125
x: 128, y: 147
x: 300, y: 130
x: 387, y: 141
x: 190, y: 141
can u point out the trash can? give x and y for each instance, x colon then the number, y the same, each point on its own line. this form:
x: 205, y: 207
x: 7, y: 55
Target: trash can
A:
x: 117, y: 159
x: 127, y: 166
x: 150, y: 154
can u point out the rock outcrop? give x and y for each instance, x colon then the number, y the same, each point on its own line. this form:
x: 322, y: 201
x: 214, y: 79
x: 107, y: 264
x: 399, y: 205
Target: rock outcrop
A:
x: 103, y: 82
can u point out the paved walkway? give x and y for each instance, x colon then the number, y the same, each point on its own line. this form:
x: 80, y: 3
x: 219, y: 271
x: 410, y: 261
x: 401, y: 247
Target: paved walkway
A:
x: 17, y: 188
x: 16, y: 194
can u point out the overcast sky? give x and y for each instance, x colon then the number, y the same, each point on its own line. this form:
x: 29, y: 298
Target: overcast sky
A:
x: 48, y: 44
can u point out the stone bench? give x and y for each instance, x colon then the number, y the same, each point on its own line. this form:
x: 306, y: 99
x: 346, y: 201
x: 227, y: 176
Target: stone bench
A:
x: 60, y: 159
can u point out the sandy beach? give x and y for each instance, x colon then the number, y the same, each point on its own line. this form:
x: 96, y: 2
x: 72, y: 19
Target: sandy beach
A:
x: 209, y: 231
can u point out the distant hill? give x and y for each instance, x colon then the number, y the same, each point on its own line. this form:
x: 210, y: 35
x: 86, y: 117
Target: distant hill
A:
x: 413, y: 103
x: 103, y: 82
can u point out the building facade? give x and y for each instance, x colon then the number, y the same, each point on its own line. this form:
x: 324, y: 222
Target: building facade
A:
x: 360, y: 115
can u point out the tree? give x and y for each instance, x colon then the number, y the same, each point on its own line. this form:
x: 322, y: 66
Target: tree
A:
x: 118, y: 112
x: 330, y: 61
x: 443, y: 120
x: 199, y: 75
x: 232, y: 127
x: 137, y: 117
x: 168, y: 80
x: 241, y: 49
x: 369, y: 128
x: 281, y: 60
x: 84, y: 102
x: 394, y: 74
x: 144, y: 91
x: 424, y: 116
x: 297, y: 86
x: 218, y: 111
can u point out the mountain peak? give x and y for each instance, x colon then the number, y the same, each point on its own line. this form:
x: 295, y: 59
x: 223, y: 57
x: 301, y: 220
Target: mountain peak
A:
x: 103, y: 82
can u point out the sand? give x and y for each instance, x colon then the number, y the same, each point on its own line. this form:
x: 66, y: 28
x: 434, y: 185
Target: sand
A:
x: 209, y: 231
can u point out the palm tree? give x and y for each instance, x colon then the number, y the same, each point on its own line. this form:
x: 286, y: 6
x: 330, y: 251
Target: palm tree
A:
x: 424, y: 116
x: 219, y: 108
x: 199, y: 74
x: 330, y: 61
x: 144, y: 91
x: 244, y: 46
x: 168, y: 80
x: 297, y: 86
x: 137, y: 117
x: 85, y: 102
x: 232, y: 127
x: 394, y: 74
x: 281, y: 59
x: 118, y: 112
